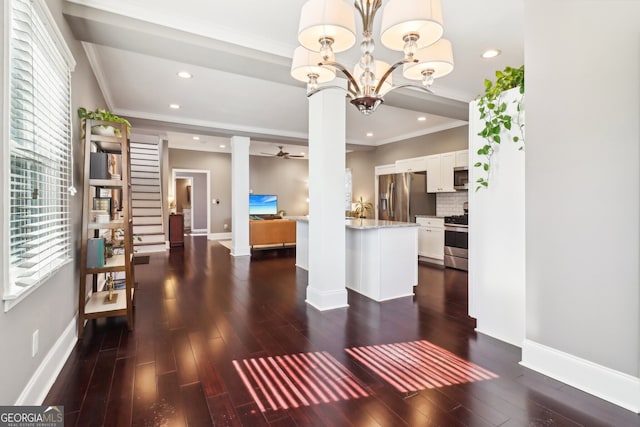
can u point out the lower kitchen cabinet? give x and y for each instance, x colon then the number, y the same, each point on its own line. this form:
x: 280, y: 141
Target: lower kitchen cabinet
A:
x: 431, y: 238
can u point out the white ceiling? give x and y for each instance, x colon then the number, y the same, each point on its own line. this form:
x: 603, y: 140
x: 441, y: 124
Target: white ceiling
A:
x: 239, y: 54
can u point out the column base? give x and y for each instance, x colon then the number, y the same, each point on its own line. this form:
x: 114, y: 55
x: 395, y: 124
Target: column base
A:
x: 327, y: 300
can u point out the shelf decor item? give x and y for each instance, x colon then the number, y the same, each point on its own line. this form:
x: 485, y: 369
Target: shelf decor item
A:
x: 102, y: 204
x: 111, y: 297
x: 103, y: 115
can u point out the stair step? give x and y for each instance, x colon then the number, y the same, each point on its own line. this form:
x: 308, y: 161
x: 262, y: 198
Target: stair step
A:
x: 145, y: 196
x: 142, y: 230
x: 141, y: 168
x: 144, y: 144
x: 147, y: 204
x: 147, y: 212
x: 145, y: 181
x: 143, y: 156
x: 141, y: 174
x: 156, y: 247
x: 145, y: 189
x: 147, y: 148
x: 135, y: 163
x: 150, y: 238
x: 147, y: 220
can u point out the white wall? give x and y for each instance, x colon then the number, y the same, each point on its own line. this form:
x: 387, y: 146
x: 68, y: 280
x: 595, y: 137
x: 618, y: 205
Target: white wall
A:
x: 582, y: 193
x: 52, y: 308
x: 497, y: 236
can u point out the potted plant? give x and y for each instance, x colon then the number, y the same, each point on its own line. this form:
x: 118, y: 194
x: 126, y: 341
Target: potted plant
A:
x: 497, y: 118
x: 100, y: 114
x: 362, y: 207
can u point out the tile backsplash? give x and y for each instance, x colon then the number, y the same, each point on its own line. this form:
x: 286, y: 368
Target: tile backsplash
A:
x: 451, y: 203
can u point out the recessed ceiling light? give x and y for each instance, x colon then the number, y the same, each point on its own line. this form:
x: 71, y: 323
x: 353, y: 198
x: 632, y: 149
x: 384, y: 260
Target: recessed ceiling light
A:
x: 196, y: 138
x: 422, y: 118
x: 223, y: 146
x: 369, y: 133
x: 491, y: 53
x: 185, y: 74
x: 174, y: 106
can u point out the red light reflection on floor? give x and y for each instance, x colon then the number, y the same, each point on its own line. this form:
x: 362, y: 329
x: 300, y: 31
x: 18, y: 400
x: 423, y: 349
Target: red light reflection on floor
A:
x: 418, y: 365
x: 295, y: 380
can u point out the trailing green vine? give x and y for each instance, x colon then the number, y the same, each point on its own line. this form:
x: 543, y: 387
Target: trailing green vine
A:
x: 497, y: 121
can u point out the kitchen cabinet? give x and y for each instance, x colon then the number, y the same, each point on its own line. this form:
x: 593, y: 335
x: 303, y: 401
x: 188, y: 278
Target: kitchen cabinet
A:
x: 431, y: 237
x: 385, y: 169
x: 440, y: 172
x: 418, y: 164
x: 462, y: 158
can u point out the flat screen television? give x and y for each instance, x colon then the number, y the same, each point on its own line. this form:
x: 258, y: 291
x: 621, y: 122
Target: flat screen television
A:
x: 263, y: 204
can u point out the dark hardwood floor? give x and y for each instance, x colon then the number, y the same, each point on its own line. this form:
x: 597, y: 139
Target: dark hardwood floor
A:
x: 198, y: 310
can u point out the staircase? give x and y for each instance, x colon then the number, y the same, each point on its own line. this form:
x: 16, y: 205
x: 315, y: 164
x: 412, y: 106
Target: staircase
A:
x: 146, y: 195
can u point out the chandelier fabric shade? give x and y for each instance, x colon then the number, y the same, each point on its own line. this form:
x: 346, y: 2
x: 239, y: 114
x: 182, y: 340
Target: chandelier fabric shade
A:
x: 414, y: 27
x: 305, y: 63
x: 333, y: 19
x: 436, y: 59
x: 401, y: 17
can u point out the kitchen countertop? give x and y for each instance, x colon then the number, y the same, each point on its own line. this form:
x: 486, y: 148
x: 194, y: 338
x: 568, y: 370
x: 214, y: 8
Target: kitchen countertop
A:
x: 429, y: 216
x: 364, y: 223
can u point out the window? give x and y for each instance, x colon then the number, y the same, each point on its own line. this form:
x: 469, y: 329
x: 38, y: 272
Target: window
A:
x: 40, y: 152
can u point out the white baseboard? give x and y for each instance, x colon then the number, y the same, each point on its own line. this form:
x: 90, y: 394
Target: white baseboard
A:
x: 497, y: 335
x: 219, y: 236
x: 40, y: 383
x: 613, y: 386
x: 327, y: 300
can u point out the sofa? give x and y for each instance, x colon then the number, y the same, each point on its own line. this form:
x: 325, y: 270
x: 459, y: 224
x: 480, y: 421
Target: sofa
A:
x: 272, y: 233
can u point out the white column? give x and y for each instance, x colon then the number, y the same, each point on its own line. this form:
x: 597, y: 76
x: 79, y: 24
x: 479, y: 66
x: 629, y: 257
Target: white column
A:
x: 327, y: 117
x: 240, y: 196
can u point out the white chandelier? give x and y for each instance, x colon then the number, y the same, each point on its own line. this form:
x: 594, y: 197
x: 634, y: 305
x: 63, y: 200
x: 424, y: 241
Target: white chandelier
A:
x: 412, y: 26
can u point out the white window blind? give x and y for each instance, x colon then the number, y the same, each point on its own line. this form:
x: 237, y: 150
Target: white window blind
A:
x: 40, y: 150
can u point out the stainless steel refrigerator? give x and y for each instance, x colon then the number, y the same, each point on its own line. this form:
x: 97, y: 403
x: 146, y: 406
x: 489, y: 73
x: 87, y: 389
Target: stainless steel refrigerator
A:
x: 402, y: 196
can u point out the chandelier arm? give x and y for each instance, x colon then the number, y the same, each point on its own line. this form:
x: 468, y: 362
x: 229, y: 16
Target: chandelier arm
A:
x: 314, y: 91
x: 411, y: 86
x: 344, y: 70
x: 391, y: 70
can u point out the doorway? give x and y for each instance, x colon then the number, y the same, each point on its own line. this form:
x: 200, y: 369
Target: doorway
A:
x: 191, y: 189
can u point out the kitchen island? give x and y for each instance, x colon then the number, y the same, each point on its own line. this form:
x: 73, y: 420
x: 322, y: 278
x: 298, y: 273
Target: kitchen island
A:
x: 381, y: 256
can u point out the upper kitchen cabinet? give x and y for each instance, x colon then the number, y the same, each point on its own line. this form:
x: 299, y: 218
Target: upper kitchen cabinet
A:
x: 385, y: 169
x: 418, y: 164
x: 462, y: 158
x: 440, y: 172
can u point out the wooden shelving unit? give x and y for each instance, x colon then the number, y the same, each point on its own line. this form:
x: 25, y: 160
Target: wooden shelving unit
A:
x: 117, y: 227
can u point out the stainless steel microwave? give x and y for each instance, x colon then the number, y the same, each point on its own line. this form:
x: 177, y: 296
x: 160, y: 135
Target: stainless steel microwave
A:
x: 461, y: 178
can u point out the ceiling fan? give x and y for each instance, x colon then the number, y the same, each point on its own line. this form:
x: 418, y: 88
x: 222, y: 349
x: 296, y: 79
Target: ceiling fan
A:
x: 283, y: 154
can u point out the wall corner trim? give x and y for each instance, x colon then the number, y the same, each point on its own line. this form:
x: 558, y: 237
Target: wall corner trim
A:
x: 613, y: 386
x: 45, y: 375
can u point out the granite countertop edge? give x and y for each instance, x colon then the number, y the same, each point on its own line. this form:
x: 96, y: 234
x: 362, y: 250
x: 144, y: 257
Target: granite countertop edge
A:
x: 362, y: 224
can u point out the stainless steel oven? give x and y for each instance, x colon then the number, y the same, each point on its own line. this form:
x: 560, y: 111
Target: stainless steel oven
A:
x: 456, y: 242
